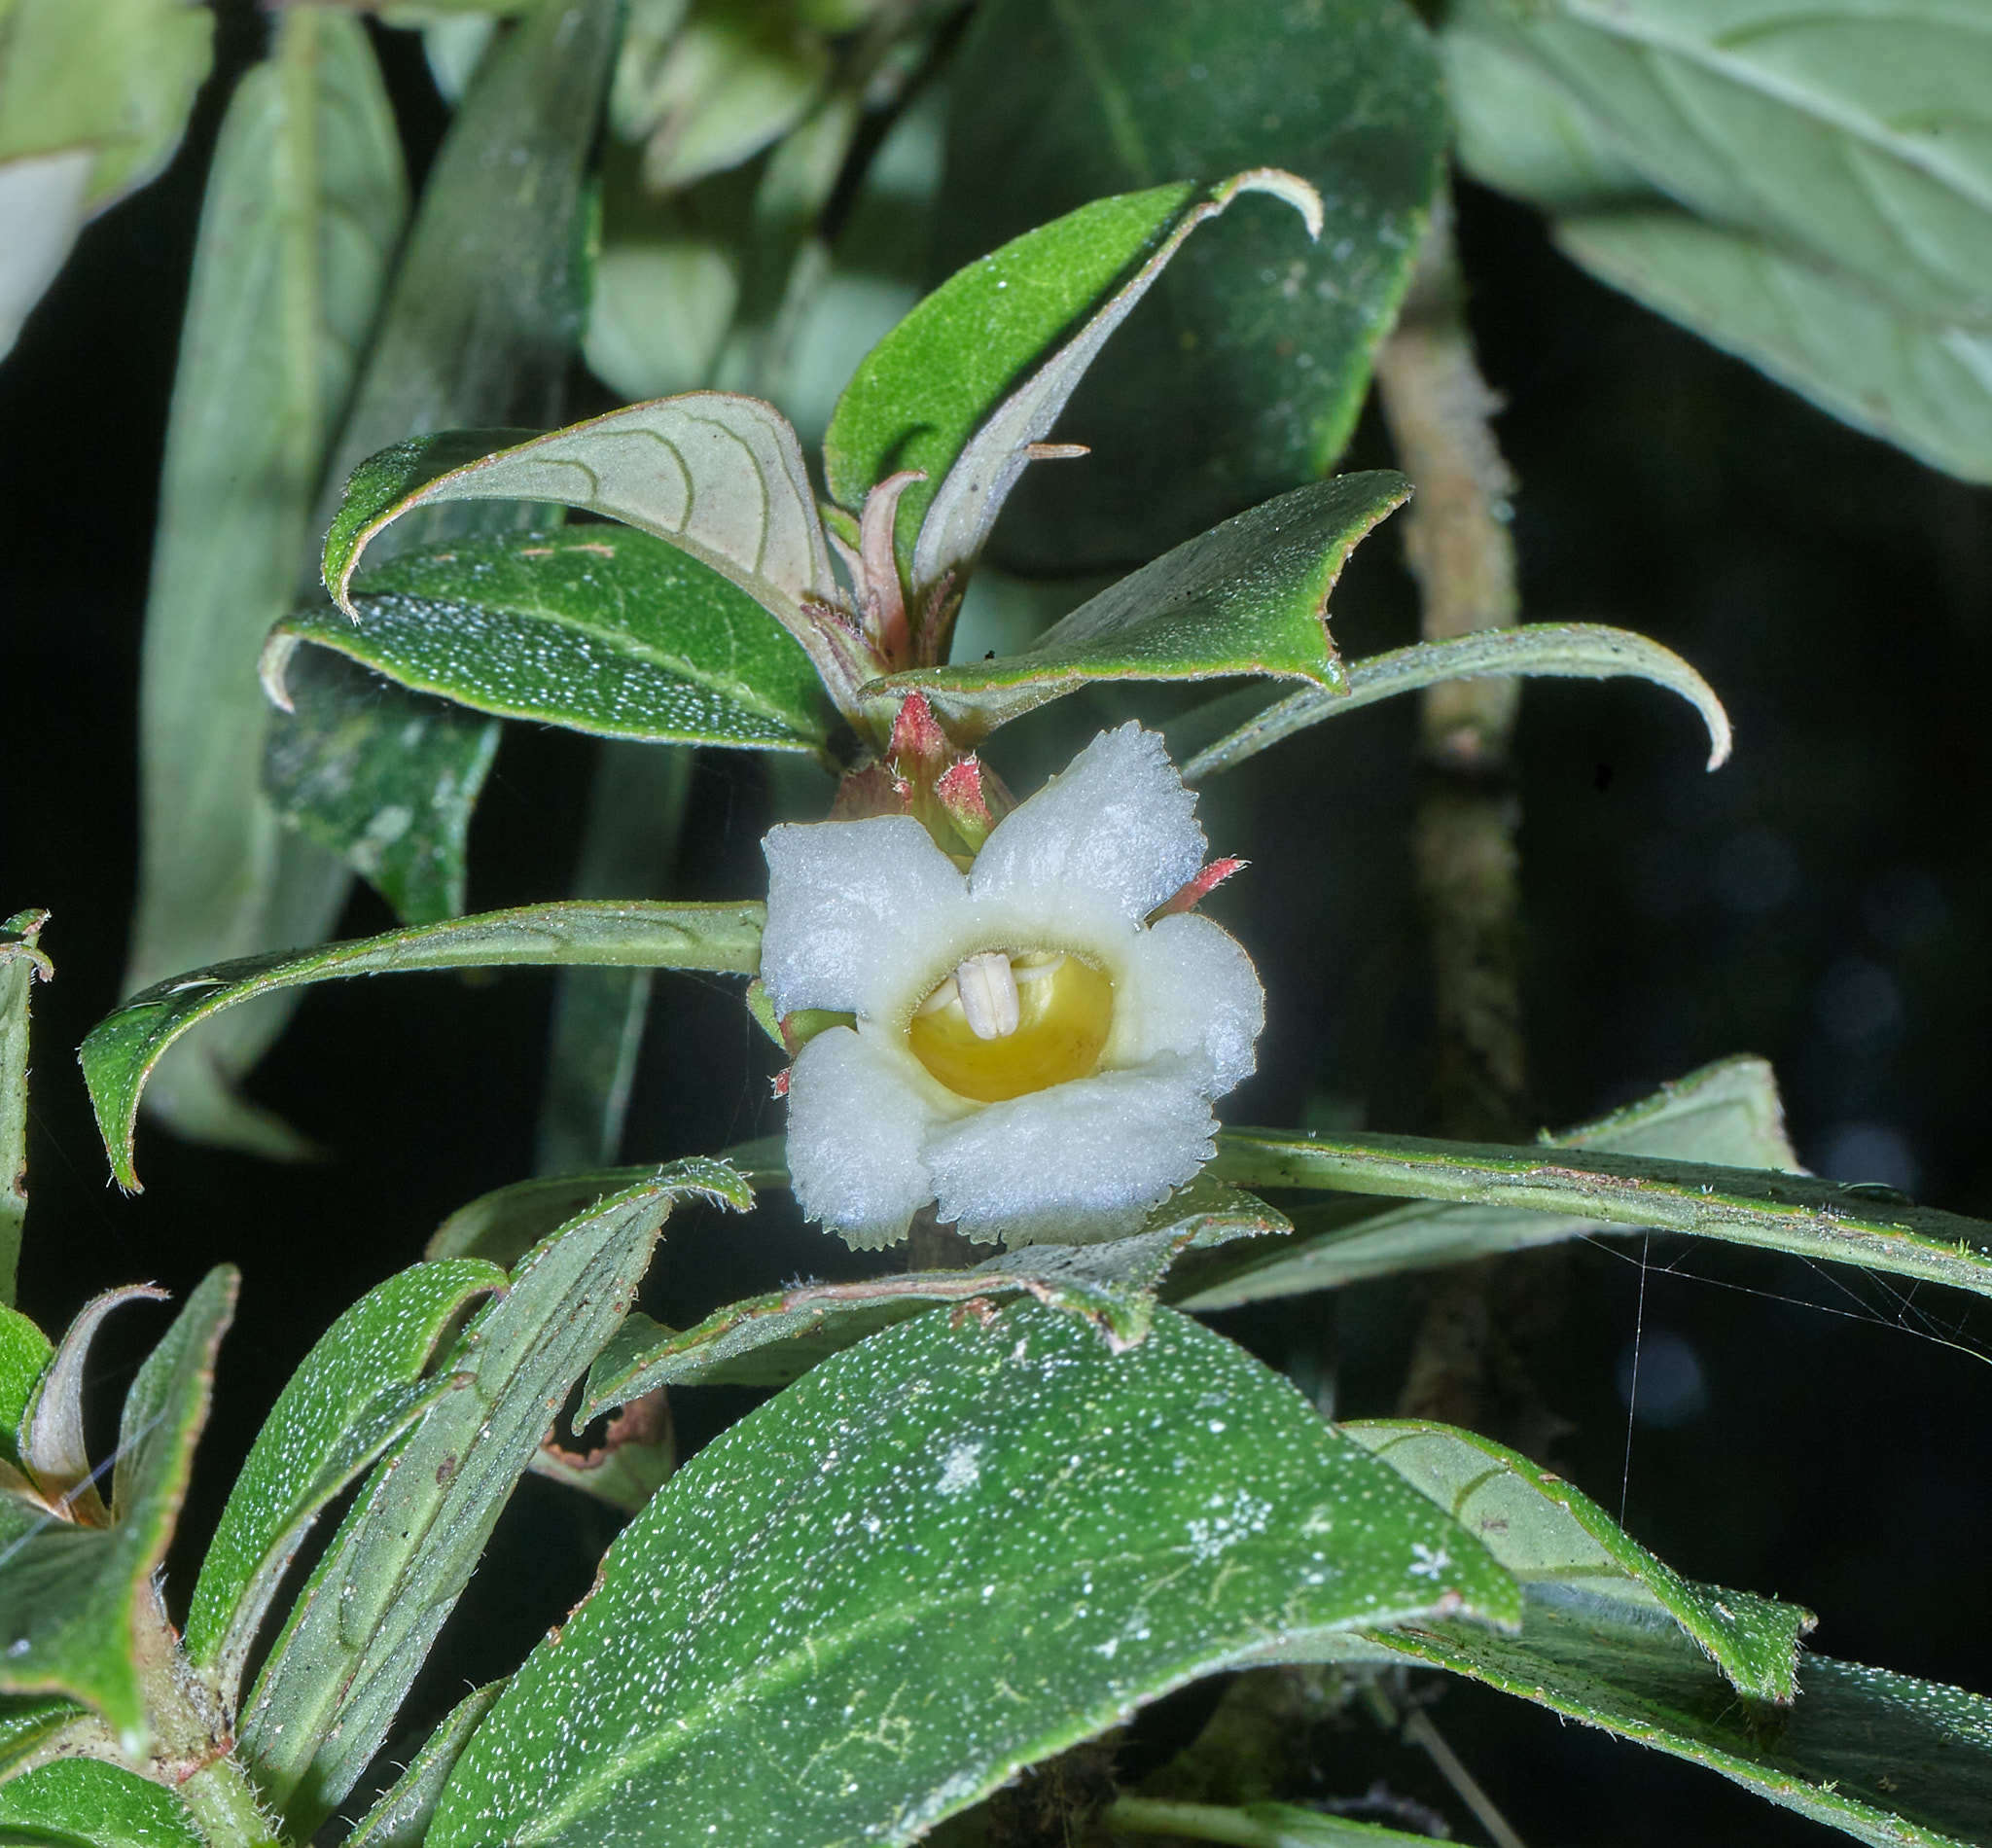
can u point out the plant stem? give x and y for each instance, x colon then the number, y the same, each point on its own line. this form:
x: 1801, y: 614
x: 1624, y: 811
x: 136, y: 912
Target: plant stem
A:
x: 1459, y: 549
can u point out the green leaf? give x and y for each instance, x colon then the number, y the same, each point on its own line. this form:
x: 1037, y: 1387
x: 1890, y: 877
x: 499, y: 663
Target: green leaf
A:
x: 399, y: 817
x: 1852, y: 134
x: 119, y: 1051
x: 947, y: 391
x: 480, y: 327
x: 357, y: 1637
x: 1820, y: 1220
x: 718, y: 475
x: 87, y: 1804
x: 1250, y: 1825
x: 772, y: 1340
x: 1247, y: 597
x: 598, y: 628
x: 25, y: 1353
x: 400, y: 1816
x: 72, y: 1597
x: 1879, y: 1757
x: 115, y: 79
x: 629, y: 848
x: 1569, y: 650
x: 957, y: 1548
x: 1546, y: 1532
x: 304, y: 202
x: 54, y: 1446
x: 1727, y: 1114
x: 1914, y: 379
x: 1245, y: 376
x: 1837, y: 183
x: 21, y: 964
x: 32, y: 1729
x: 361, y: 1386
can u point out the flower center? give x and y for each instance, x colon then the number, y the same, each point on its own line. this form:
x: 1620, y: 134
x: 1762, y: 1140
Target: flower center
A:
x: 1005, y: 1024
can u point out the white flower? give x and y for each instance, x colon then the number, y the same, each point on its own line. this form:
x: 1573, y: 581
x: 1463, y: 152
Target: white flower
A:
x: 1029, y: 1052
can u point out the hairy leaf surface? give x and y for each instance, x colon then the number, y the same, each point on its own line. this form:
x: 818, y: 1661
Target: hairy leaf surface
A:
x: 119, y: 1051
x: 359, y: 1388
x: 1729, y: 1114
x: 357, y: 1637
x: 800, y: 1638
x: 1248, y: 597
x: 1567, y: 650
x: 1548, y: 1532
x: 1890, y: 1760
x: 598, y: 628
x: 71, y: 1596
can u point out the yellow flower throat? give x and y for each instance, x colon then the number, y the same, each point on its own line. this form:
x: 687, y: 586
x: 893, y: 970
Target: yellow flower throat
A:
x: 1004, y: 1024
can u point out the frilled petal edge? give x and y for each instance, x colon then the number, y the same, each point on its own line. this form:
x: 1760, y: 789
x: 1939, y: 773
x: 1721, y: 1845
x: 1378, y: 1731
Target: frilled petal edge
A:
x: 856, y: 1128
x: 1196, y: 994
x: 851, y: 905
x: 1117, y: 822
x: 1087, y: 1160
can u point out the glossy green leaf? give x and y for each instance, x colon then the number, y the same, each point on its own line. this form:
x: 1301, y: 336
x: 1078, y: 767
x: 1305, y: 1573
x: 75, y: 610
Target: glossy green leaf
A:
x: 597, y: 628
x: 480, y: 327
x: 304, y: 202
x: 1820, y: 1220
x: 922, y: 392
x: 772, y: 1340
x: 112, y: 79
x: 1567, y: 650
x: 361, y: 1386
x: 358, y: 1635
x: 33, y: 1728
x: 966, y: 385
x: 718, y: 475
x: 400, y: 1816
x: 72, y: 1596
x: 1245, y: 376
x: 21, y: 965
x: 401, y: 816
x: 1892, y: 1761
x: 1850, y: 132
x: 1548, y: 1532
x: 799, y: 1639
x: 628, y: 849
x: 121, y: 1049
x: 1918, y: 382
x: 1727, y: 1114
x: 87, y: 1804
x: 25, y: 1353
x: 1247, y: 597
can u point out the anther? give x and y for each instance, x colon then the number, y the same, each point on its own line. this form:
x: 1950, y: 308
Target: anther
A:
x: 987, y: 986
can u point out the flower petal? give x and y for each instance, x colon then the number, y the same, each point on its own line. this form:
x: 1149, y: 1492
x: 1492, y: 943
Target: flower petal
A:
x: 850, y: 905
x: 1117, y: 822
x: 855, y: 1130
x: 1194, y: 992
x: 1080, y: 1162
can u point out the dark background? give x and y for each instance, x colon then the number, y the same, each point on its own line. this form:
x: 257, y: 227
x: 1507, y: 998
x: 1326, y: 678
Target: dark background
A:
x: 1825, y: 901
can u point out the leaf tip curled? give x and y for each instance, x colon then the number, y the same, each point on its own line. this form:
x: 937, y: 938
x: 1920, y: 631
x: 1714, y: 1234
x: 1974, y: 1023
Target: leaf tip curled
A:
x: 1281, y: 184
x: 273, y: 665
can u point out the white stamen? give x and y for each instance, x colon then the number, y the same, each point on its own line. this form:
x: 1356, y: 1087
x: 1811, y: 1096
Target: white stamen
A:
x: 1037, y: 970
x: 987, y: 986
x: 944, y: 996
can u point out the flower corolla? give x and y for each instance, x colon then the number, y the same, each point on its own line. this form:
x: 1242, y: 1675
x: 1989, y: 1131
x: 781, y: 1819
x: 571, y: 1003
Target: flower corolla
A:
x: 1029, y: 1052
